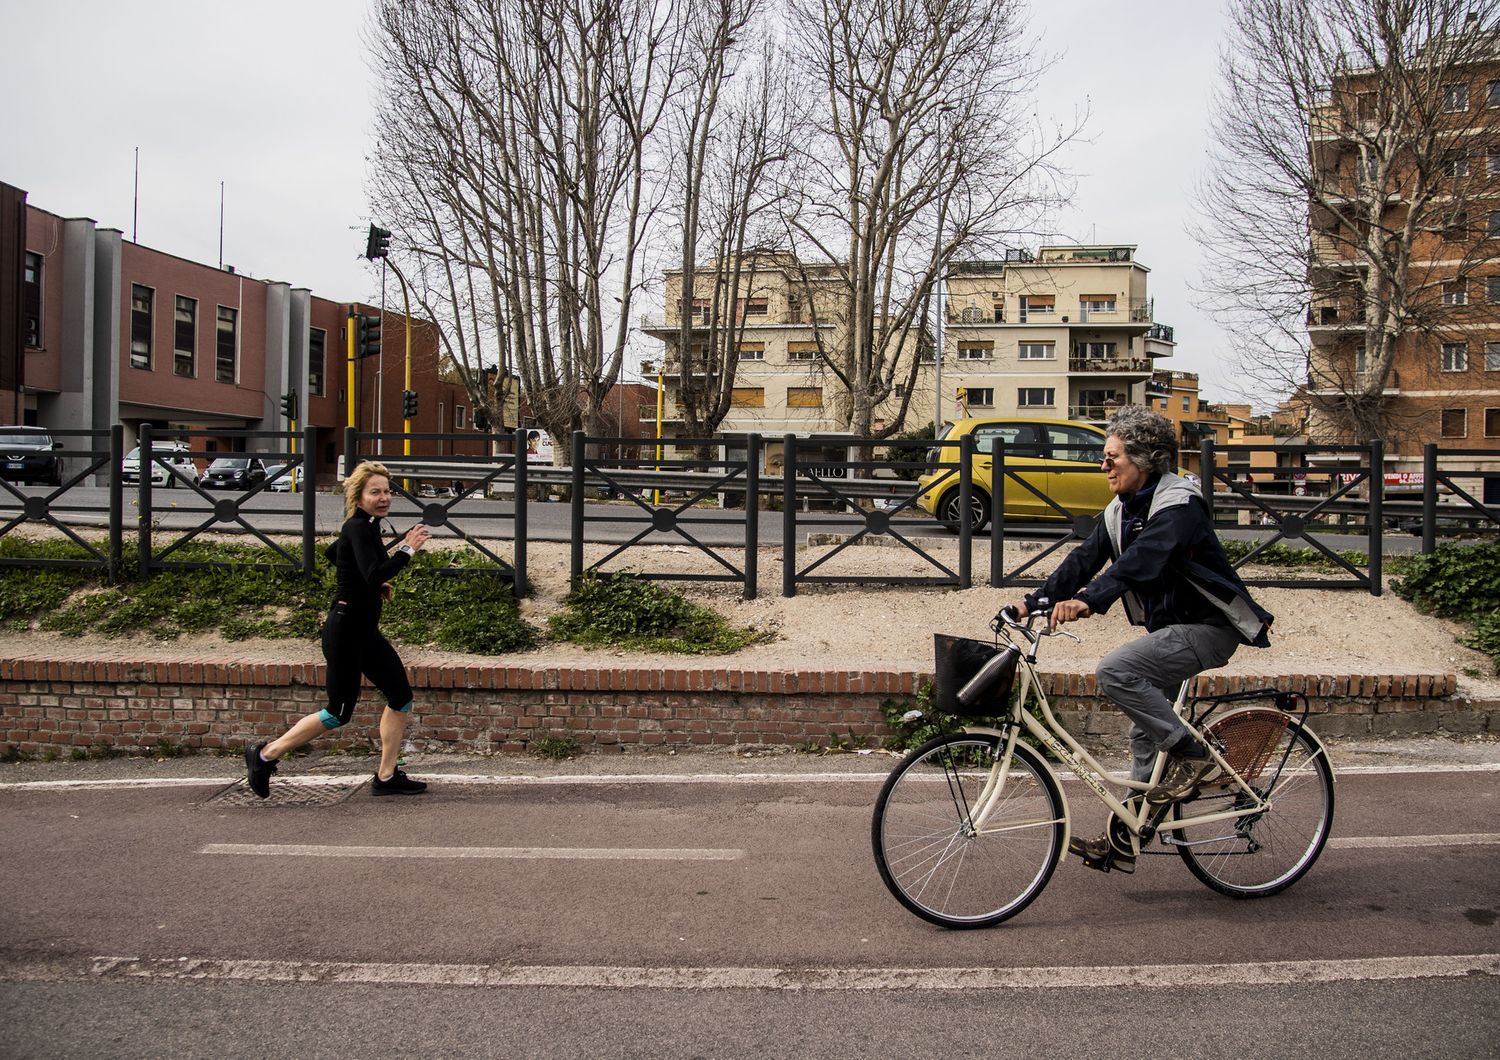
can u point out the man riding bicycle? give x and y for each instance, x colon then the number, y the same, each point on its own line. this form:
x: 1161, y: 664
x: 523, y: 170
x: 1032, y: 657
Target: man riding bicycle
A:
x: 1159, y: 555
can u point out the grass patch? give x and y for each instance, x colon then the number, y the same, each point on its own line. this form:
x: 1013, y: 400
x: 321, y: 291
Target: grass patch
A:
x: 474, y: 613
x: 624, y: 611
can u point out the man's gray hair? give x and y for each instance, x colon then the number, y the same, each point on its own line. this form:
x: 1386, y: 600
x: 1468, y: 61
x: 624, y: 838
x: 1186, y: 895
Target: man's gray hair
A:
x: 1149, y: 438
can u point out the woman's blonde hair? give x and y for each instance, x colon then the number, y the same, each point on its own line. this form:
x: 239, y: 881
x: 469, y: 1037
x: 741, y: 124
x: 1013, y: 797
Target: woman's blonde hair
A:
x: 354, y: 485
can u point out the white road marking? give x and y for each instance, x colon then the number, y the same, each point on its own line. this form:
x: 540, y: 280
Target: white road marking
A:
x: 491, y: 780
x: 1467, y: 839
x: 308, y: 850
x: 1149, y: 976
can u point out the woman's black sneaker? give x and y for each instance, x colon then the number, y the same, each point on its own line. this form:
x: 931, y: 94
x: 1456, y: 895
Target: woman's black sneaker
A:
x: 399, y: 784
x: 259, y: 771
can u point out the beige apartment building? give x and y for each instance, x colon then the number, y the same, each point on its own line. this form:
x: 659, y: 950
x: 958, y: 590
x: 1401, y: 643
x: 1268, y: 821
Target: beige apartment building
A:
x: 1067, y: 333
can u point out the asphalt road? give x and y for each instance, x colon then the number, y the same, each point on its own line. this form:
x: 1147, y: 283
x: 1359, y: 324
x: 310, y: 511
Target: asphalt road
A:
x: 699, y: 913
x: 609, y: 523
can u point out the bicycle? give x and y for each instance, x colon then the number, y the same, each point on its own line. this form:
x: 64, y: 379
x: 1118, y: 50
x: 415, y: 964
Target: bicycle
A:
x: 968, y: 829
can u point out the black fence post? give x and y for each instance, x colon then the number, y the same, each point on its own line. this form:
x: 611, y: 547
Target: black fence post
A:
x: 997, y: 513
x: 1429, y: 497
x: 789, y: 515
x: 309, y: 500
x: 752, y: 514
x: 351, y: 453
x: 965, y: 504
x: 1206, y: 467
x: 520, y: 512
x: 1377, y: 512
x: 576, y: 458
x: 116, y: 502
x: 143, y: 503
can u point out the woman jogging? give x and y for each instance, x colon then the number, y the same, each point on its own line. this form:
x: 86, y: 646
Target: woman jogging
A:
x: 352, y: 642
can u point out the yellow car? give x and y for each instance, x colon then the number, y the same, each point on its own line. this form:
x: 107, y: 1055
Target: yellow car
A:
x: 1060, y: 458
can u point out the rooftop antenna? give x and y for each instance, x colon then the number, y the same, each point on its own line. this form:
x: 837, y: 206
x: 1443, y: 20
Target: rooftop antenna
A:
x: 135, y: 200
x: 221, y: 226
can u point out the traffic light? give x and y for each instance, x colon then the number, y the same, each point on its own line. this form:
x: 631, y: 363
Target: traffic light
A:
x: 377, y: 243
x: 408, y: 403
x: 481, y: 420
x: 289, y: 404
x: 367, y: 336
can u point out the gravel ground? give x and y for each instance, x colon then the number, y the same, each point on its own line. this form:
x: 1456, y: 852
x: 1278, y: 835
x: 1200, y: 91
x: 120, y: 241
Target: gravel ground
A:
x: 857, y: 628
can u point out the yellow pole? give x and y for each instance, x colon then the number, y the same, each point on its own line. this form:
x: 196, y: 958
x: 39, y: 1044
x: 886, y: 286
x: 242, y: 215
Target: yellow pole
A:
x: 660, y: 393
x: 350, y: 391
x: 406, y: 308
x: 293, y: 422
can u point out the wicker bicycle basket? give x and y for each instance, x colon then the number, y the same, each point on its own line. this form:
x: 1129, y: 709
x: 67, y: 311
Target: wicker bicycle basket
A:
x: 957, y: 660
x: 1249, y: 739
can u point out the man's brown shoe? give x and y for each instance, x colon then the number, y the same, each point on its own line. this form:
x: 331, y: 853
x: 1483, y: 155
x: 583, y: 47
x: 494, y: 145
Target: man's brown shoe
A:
x: 1181, y: 778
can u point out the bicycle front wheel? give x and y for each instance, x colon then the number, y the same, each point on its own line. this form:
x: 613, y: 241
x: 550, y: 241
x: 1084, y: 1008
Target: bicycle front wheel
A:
x: 954, y: 856
x: 1265, y: 852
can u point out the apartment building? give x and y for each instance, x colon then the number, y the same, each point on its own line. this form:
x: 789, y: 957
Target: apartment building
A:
x: 1065, y: 333
x: 1445, y: 382
x: 103, y: 330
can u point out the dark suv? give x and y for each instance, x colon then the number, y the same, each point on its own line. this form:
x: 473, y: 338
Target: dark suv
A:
x: 234, y: 473
x: 28, y: 454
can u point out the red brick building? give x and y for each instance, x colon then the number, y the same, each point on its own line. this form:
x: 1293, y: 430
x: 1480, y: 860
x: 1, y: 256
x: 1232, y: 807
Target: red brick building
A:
x: 96, y: 330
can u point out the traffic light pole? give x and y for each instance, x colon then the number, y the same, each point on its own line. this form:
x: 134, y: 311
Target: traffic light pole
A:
x: 353, y: 321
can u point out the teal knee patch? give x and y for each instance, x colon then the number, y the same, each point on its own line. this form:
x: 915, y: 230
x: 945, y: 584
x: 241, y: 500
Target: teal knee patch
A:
x: 329, y: 719
x: 406, y: 709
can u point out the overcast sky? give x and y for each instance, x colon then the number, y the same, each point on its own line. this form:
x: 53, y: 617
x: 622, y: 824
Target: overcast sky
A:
x: 275, y: 99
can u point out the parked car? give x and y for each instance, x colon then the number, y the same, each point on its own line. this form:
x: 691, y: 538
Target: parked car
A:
x: 163, y: 453
x: 29, y: 455
x: 279, y: 477
x: 235, y: 473
x: 1059, y: 458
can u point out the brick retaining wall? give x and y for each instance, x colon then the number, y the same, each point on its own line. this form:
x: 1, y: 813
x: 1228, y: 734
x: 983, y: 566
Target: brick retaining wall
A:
x: 65, y: 705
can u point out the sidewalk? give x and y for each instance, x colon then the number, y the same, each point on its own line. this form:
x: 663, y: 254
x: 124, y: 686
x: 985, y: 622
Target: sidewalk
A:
x: 1347, y: 753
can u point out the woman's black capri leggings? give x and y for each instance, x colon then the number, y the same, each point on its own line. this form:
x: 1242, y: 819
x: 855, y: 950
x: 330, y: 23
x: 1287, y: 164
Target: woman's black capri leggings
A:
x: 354, y: 649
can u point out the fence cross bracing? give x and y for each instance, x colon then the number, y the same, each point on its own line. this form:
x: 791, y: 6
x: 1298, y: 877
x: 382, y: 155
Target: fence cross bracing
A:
x: 84, y: 456
x: 1459, y: 482
x: 714, y: 476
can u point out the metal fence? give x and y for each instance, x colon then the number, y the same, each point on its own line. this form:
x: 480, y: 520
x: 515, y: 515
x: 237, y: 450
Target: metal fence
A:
x: 83, y: 457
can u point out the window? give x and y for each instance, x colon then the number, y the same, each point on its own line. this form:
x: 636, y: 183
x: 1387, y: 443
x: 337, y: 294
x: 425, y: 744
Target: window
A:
x: 1492, y: 423
x: 1455, y: 423
x: 1036, y: 397
x: 1456, y: 293
x: 752, y: 351
x: 1096, y: 351
x: 1187, y: 403
x: 802, y: 351
x: 184, y: 341
x: 1456, y: 164
x: 1075, y: 443
x: 1492, y: 288
x: 1038, y: 351
x: 1455, y: 357
x: 755, y: 307
x: 804, y: 397
x: 142, y: 301
x: 31, y: 299
x: 1359, y: 360
x: 928, y: 355
x: 700, y: 308
x: 1037, y: 304
x: 979, y: 397
x: 1455, y: 97
x: 1492, y: 227
x: 1492, y: 94
x: 226, y: 366
x: 1492, y: 162
x: 1492, y: 356
x: 975, y: 350
x: 747, y: 397
x: 1096, y: 303
x: 459, y: 413
x: 999, y: 312
x: 1364, y: 106
x: 317, y: 353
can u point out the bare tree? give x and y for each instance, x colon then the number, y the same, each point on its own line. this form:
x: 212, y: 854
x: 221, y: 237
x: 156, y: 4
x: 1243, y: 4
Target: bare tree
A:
x: 733, y: 133
x: 524, y: 193
x: 1340, y: 193
x: 872, y: 178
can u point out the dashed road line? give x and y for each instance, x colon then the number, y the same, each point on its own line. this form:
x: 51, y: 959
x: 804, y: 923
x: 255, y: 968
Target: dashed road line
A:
x: 310, y: 850
x: 1373, y: 842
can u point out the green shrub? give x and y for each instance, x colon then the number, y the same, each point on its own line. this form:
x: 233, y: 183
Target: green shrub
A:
x: 628, y: 612
x: 1454, y: 581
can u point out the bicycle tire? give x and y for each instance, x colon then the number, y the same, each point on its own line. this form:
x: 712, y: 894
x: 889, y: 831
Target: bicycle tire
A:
x: 934, y: 864
x: 1262, y: 854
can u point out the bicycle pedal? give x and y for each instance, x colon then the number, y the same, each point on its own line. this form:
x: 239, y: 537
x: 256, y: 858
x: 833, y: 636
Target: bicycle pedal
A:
x: 1110, y: 861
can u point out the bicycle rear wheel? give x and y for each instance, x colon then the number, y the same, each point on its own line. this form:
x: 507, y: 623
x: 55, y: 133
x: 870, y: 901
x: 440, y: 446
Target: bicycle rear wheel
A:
x: 1262, y: 853
x: 931, y: 855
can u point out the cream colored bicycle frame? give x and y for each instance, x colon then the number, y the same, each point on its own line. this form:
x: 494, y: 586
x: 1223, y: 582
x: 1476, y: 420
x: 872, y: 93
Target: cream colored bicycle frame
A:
x: 1061, y: 743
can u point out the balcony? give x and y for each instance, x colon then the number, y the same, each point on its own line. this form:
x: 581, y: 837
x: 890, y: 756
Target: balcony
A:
x: 1338, y: 318
x: 1111, y: 365
x: 1092, y: 413
x: 1160, y: 332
